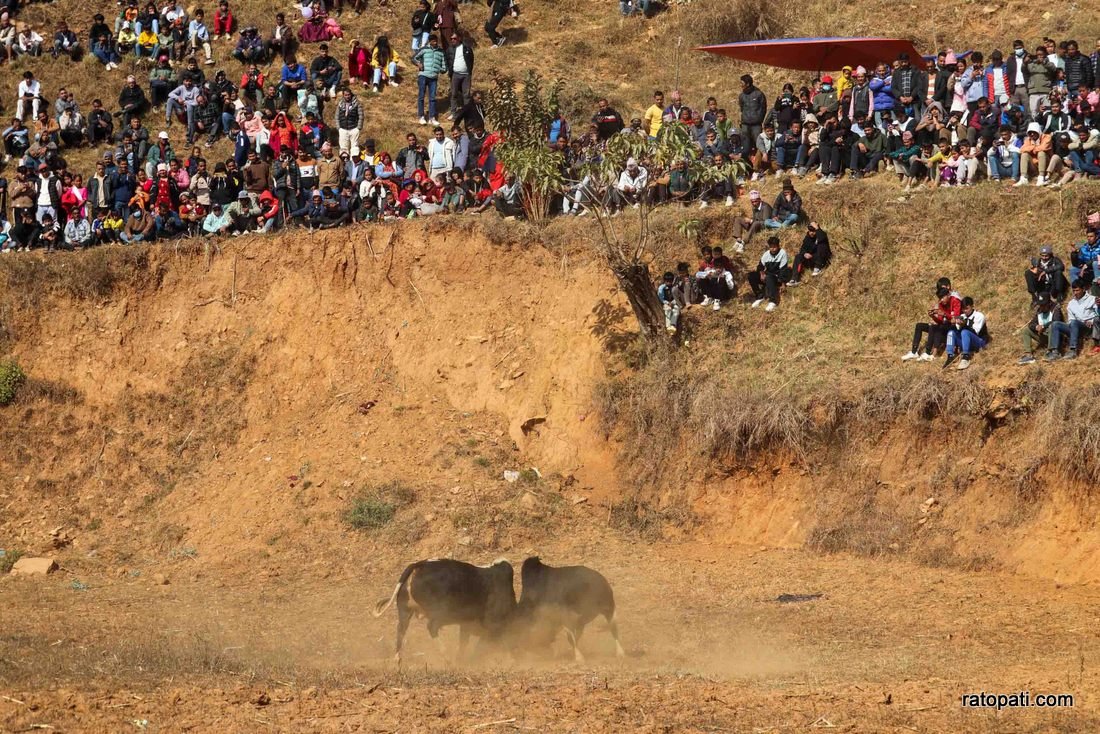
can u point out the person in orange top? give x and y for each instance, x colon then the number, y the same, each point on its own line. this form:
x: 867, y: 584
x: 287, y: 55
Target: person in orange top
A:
x: 1035, y: 154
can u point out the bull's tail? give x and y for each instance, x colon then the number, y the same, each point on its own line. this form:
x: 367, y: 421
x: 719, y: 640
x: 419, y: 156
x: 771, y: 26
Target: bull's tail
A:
x: 384, y: 604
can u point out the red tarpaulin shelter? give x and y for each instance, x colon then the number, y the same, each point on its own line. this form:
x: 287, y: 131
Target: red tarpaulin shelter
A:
x: 819, y: 54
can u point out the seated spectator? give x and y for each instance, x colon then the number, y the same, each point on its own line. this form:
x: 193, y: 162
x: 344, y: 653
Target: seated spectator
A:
x: 65, y: 43
x: 815, y: 254
x: 1003, y: 157
x: 1084, y: 259
x: 138, y: 228
x: 749, y: 223
x: 666, y: 294
x: 715, y: 278
x: 1035, y: 155
x: 7, y: 50
x: 28, y: 43
x: 687, y: 286
x: 968, y: 335
x: 631, y: 185
x: 24, y: 233
x: 384, y: 61
x: 867, y: 152
x: 948, y: 307
x: 787, y: 208
x: 199, y: 37
x: 1081, y: 316
x: 17, y: 139
x: 772, y: 270
x: 223, y: 21
x: 282, y: 41
x: 250, y: 48
x: 1037, y: 332
x: 217, y: 222
x: 1046, y: 275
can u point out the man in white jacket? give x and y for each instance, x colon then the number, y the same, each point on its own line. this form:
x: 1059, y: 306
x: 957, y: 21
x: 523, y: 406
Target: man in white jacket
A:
x: 631, y: 185
x: 441, y: 154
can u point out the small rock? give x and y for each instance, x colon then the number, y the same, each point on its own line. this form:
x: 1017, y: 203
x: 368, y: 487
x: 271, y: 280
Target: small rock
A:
x: 529, y: 500
x: 510, y: 475
x: 34, y: 566
x: 160, y: 579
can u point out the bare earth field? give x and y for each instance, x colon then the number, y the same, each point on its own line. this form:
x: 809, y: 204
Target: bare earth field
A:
x: 889, y: 647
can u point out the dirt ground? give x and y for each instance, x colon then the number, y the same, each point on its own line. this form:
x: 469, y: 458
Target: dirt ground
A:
x: 888, y: 647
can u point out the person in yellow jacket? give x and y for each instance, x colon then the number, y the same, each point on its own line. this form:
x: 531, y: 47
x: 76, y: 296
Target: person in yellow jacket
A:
x: 844, y: 82
x: 383, y: 58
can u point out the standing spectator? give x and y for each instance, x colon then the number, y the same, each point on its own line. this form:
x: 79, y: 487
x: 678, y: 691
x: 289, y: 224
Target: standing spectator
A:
x: 29, y: 94
x: 754, y: 107
x: 771, y: 270
x: 607, y: 120
x: 1078, y: 70
x: 48, y: 198
x: 441, y: 154
x: 1041, y: 75
x: 460, y: 67
x: 423, y: 24
x: 908, y: 87
x: 432, y: 63
x: 349, y: 118
x: 446, y: 11
x: 500, y: 8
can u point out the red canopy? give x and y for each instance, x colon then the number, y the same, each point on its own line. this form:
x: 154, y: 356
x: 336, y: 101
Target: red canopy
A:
x: 819, y: 54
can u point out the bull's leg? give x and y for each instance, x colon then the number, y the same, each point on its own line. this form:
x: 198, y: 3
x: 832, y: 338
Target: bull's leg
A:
x: 573, y: 636
x: 433, y: 629
x: 403, y: 619
x: 614, y: 627
x: 463, y: 640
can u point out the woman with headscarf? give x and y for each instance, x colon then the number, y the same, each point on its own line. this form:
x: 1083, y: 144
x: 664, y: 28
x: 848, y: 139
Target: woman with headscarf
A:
x: 359, y: 63
x: 284, y: 136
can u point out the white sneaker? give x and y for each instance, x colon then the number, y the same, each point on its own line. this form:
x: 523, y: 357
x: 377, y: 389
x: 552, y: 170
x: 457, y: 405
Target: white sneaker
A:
x: 909, y: 356
x: 830, y: 180
x: 433, y: 121
x: 817, y: 271
x: 670, y: 329
x: 422, y: 121
x: 1041, y: 181
x: 706, y: 301
x: 717, y: 304
x: 963, y: 364
x: 739, y: 246
x: 1018, y: 184
x: 703, y: 205
x: 770, y: 307
x: 729, y: 201
x: 757, y: 302
x: 792, y: 283
x: 393, y: 83
x: 635, y: 205
x: 926, y: 357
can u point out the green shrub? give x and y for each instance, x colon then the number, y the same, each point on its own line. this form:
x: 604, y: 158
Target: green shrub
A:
x: 11, y: 378
x: 369, y: 513
x: 8, y: 559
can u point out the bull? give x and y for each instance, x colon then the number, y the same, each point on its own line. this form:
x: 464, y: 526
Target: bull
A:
x: 567, y: 596
x: 480, y: 599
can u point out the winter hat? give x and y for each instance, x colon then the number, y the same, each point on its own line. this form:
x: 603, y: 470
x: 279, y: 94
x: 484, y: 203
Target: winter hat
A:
x: 631, y: 163
x: 826, y: 79
x: 754, y: 195
x: 861, y: 71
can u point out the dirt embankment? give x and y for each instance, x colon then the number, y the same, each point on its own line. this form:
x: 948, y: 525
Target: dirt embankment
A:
x: 224, y: 411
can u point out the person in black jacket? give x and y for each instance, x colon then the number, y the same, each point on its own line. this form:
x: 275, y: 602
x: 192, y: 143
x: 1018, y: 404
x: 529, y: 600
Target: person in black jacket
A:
x: 461, y: 74
x: 815, y: 253
x: 500, y: 8
x: 754, y: 106
x: 909, y: 86
x: 1037, y: 331
x: 1078, y: 70
x: 100, y: 124
x: 941, y: 90
x: 131, y: 100
x: 1047, y: 274
x: 1017, y: 75
x: 472, y: 114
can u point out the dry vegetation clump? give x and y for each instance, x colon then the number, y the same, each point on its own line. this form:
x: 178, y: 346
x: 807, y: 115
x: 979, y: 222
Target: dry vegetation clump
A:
x: 740, y: 20
x: 85, y: 276
x: 1068, y: 428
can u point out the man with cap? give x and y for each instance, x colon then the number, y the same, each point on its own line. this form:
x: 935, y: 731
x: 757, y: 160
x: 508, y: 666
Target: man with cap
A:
x: 747, y: 224
x: 1047, y: 274
x: 242, y: 214
x: 1037, y: 332
x: 131, y: 100
x: 217, y: 221
x: 826, y: 101
x: 631, y: 186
